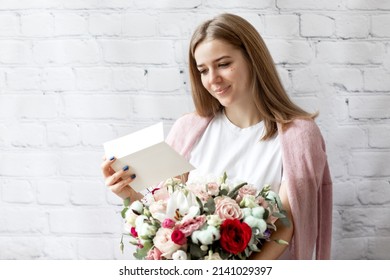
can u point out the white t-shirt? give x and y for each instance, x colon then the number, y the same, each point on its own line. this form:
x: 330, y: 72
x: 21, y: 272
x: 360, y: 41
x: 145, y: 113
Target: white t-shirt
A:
x: 224, y: 147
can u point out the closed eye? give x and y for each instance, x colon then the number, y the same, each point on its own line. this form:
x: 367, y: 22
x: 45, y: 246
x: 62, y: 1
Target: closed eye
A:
x: 203, y: 71
x: 223, y: 65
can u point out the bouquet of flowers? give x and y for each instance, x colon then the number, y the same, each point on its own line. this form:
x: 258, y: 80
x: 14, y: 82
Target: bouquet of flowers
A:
x: 211, y: 220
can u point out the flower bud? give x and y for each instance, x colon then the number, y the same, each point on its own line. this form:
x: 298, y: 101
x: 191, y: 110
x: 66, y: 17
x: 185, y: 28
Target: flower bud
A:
x: 137, y: 207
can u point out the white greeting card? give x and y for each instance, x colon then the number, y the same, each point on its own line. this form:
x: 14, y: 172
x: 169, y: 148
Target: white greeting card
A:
x: 148, y: 156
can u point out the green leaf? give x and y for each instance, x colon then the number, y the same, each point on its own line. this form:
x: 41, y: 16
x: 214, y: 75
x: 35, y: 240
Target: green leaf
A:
x: 123, y: 212
x: 121, y: 245
x: 224, y: 177
x: 201, y: 209
x: 126, y: 202
x: 210, y: 205
x: 141, y: 253
x: 196, y: 251
x: 223, y: 192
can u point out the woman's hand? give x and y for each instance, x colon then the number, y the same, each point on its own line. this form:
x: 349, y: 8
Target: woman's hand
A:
x: 119, y: 181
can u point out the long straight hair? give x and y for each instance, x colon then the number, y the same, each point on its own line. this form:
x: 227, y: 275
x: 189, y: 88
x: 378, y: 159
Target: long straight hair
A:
x: 270, y: 98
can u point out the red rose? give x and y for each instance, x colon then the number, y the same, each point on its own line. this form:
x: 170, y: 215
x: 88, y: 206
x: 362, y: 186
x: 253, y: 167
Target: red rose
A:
x: 178, y: 237
x: 235, y: 236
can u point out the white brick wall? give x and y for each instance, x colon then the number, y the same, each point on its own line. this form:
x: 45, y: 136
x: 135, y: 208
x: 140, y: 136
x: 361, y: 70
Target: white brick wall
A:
x: 76, y: 73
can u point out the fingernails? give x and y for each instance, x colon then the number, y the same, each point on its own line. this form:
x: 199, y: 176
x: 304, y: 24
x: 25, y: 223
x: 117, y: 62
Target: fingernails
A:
x: 125, y: 168
x: 133, y: 176
x: 112, y: 158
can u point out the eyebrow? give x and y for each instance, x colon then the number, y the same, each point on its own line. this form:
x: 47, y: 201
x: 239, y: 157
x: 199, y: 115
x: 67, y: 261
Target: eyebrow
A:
x: 216, y: 60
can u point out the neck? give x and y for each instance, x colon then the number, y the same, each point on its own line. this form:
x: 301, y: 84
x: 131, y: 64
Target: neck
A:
x: 243, y: 117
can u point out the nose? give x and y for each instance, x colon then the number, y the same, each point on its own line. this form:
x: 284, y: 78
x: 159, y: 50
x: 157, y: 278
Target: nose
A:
x: 214, y: 77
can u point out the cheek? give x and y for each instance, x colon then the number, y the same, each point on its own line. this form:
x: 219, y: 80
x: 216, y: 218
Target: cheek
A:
x: 204, y: 82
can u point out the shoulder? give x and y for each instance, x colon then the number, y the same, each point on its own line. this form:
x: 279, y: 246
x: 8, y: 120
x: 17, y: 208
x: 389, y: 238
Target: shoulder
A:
x: 302, y: 137
x: 187, y: 128
x: 301, y: 129
x: 191, y: 119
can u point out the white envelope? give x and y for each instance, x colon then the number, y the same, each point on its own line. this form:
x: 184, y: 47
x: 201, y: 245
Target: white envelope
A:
x: 148, y: 156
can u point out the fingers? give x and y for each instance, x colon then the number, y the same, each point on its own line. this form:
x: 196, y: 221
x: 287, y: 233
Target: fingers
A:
x: 117, y: 176
x: 106, y: 166
x: 119, y: 187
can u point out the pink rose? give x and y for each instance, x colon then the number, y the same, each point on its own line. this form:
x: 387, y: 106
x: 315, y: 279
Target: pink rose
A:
x: 227, y: 208
x: 178, y: 237
x: 160, y: 194
x: 245, y: 190
x: 158, y: 210
x: 199, y: 190
x: 168, y: 223
x: 189, y: 226
x: 212, y: 189
x: 164, y: 243
x: 154, y: 254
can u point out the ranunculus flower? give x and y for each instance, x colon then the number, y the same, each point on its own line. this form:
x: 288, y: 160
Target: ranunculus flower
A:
x: 235, y: 236
x: 133, y: 232
x: 227, y: 208
x: 164, y: 243
x: 168, y: 223
x: 154, y: 254
x: 178, y: 237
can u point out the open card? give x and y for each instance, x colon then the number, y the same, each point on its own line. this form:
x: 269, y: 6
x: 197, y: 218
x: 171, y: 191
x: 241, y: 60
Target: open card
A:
x: 148, y: 156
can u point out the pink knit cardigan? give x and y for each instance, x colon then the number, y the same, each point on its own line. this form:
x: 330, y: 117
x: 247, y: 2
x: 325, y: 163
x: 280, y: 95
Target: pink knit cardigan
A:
x: 306, y: 170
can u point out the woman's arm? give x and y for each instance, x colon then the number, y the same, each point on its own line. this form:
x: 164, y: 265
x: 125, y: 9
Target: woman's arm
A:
x: 272, y: 250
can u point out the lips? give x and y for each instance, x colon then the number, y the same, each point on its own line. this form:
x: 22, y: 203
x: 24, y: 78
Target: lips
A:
x: 221, y: 91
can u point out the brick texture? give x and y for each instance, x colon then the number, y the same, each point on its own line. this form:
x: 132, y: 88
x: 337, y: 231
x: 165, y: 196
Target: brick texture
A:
x: 76, y: 73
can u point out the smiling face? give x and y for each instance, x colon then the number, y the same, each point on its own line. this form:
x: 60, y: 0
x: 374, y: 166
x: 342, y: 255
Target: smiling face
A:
x: 224, y: 72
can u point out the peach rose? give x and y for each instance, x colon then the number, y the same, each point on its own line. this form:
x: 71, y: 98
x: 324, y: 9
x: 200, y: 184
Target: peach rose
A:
x: 227, y: 208
x: 163, y: 242
x: 245, y: 190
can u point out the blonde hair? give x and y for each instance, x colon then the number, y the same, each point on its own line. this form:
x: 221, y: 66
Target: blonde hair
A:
x: 270, y: 98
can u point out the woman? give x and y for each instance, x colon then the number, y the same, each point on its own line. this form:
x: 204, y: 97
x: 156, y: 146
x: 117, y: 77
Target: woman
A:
x: 246, y: 125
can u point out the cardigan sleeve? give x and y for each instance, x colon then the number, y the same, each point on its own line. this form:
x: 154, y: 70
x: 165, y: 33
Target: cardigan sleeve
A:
x: 309, y: 189
x: 185, y: 132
